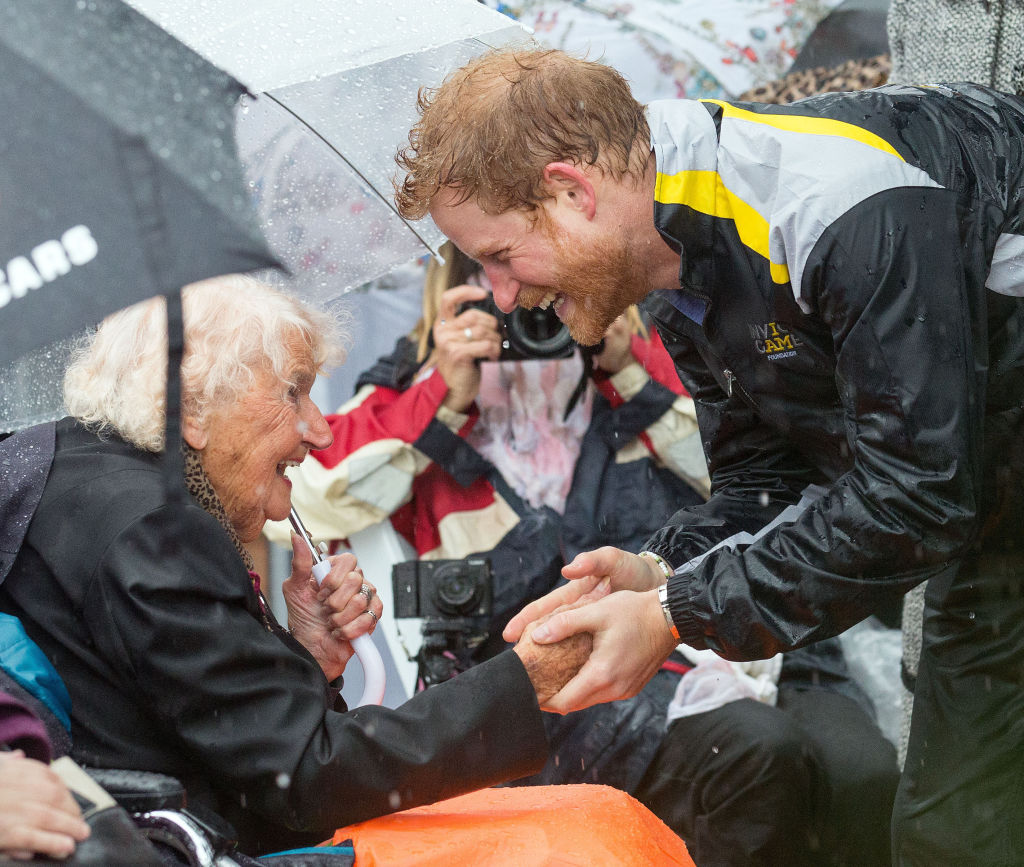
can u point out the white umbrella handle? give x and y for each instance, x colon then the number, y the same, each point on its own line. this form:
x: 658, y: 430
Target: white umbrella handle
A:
x: 366, y: 652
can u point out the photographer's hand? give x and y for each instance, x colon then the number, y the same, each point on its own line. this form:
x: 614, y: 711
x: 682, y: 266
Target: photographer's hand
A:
x: 325, y: 618
x: 460, y: 341
x: 616, y: 352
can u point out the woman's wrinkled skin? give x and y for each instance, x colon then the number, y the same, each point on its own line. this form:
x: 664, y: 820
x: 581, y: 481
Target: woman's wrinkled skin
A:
x: 246, y: 445
x: 245, y: 448
x: 325, y: 618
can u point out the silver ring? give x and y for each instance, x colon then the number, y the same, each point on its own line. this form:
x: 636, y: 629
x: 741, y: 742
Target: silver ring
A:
x: 376, y: 619
x: 469, y: 333
x: 368, y: 592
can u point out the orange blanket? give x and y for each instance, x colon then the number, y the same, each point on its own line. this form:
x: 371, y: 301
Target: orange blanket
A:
x: 535, y: 825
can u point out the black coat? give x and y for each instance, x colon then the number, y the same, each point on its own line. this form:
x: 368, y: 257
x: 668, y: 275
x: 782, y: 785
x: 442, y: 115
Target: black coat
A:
x: 148, y: 613
x: 851, y: 318
x: 850, y: 313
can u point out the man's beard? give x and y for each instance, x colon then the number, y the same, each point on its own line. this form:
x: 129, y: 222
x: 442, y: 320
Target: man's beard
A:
x: 601, y: 279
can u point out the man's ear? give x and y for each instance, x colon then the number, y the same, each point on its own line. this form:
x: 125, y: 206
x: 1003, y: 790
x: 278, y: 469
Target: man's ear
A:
x: 194, y: 433
x: 571, y: 187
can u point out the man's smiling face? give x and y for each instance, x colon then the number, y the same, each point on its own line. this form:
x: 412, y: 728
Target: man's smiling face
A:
x: 532, y: 261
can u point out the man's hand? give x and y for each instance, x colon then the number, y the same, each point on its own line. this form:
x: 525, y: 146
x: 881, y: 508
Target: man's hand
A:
x: 38, y: 813
x: 325, y: 618
x: 630, y: 642
x: 552, y: 666
x: 460, y: 341
x: 592, y: 575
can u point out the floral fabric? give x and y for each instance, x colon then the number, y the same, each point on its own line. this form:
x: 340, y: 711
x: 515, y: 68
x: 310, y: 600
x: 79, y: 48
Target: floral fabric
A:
x: 521, y: 429
x: 670, y: 49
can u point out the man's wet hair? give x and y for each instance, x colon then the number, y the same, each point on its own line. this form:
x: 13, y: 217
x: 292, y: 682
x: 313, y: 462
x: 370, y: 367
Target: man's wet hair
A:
x: 493, y: 125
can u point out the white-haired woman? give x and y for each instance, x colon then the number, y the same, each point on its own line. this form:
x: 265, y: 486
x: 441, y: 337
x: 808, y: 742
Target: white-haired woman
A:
x: 152, y: 614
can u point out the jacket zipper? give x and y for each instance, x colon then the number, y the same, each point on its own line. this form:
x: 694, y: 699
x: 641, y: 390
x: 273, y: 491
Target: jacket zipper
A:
x: 730, y: 377
x: 732, y: 384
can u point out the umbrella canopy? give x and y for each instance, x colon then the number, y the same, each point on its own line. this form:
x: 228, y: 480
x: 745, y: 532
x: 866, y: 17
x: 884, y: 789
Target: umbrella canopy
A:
x: 336, y: 86
x: 118, y: 173
x: 670, y: 49
x: 119, y: 179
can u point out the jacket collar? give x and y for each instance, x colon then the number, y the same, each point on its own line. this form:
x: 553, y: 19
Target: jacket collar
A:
x: 684, y: 140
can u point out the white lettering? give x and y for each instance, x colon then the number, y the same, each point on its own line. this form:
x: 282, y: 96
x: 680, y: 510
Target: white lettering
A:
x: 22, y: 276
x: 80, y: 244
x: 51, y: 260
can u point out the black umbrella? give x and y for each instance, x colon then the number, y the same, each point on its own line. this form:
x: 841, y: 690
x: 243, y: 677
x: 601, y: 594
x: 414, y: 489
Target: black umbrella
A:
x: 119, y: 177
x: 119, y: 180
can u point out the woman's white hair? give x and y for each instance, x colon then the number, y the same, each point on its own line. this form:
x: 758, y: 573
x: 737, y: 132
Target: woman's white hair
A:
x: 235, y: 326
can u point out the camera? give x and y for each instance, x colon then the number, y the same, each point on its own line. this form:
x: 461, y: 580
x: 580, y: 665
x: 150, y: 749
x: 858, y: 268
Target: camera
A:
x: 443, y: 588
x: 454, y: 598
x: 528, y: 333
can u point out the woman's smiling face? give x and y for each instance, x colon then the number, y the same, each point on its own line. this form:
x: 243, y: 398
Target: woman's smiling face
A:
x: 247, y: 445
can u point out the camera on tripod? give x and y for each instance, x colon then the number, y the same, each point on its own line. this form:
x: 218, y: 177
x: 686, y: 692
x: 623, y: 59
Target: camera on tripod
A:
x: 528, y: 333
x: 443, y: 588
x: 455, y: 600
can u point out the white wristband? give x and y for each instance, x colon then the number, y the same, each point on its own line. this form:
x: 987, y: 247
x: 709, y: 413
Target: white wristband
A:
x: 661, y: 561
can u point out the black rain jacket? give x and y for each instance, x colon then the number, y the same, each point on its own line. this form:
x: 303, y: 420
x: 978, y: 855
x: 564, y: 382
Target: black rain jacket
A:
x: 850, y: 316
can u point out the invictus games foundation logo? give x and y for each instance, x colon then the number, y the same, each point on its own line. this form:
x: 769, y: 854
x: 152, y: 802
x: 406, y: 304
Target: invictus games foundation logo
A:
x: 774, y: 340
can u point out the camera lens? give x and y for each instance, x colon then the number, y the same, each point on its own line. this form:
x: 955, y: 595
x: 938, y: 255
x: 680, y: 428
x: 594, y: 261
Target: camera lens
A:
x: 457, y: 592
x: 537, y: 333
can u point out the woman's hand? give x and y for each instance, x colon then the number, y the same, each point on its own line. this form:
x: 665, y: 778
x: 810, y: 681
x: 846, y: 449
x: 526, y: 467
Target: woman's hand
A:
x: 38, y: 813
x: 551, y: 666
x: 592, y: 575
x: 461, y: 340
x: 325, y: 618
x: 630, y: 641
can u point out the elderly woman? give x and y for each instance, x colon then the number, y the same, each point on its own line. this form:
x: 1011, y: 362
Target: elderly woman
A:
x: 150, y: 611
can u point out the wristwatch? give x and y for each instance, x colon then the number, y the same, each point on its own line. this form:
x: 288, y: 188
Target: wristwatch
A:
x: 663, y: 599
x: 667, y: 571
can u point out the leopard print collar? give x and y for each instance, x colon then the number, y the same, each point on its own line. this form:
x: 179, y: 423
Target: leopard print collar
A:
x: 198, y: 484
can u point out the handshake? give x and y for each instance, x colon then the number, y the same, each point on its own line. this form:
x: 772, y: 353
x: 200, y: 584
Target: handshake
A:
x: 600, y: 637
x: 552, y: 666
